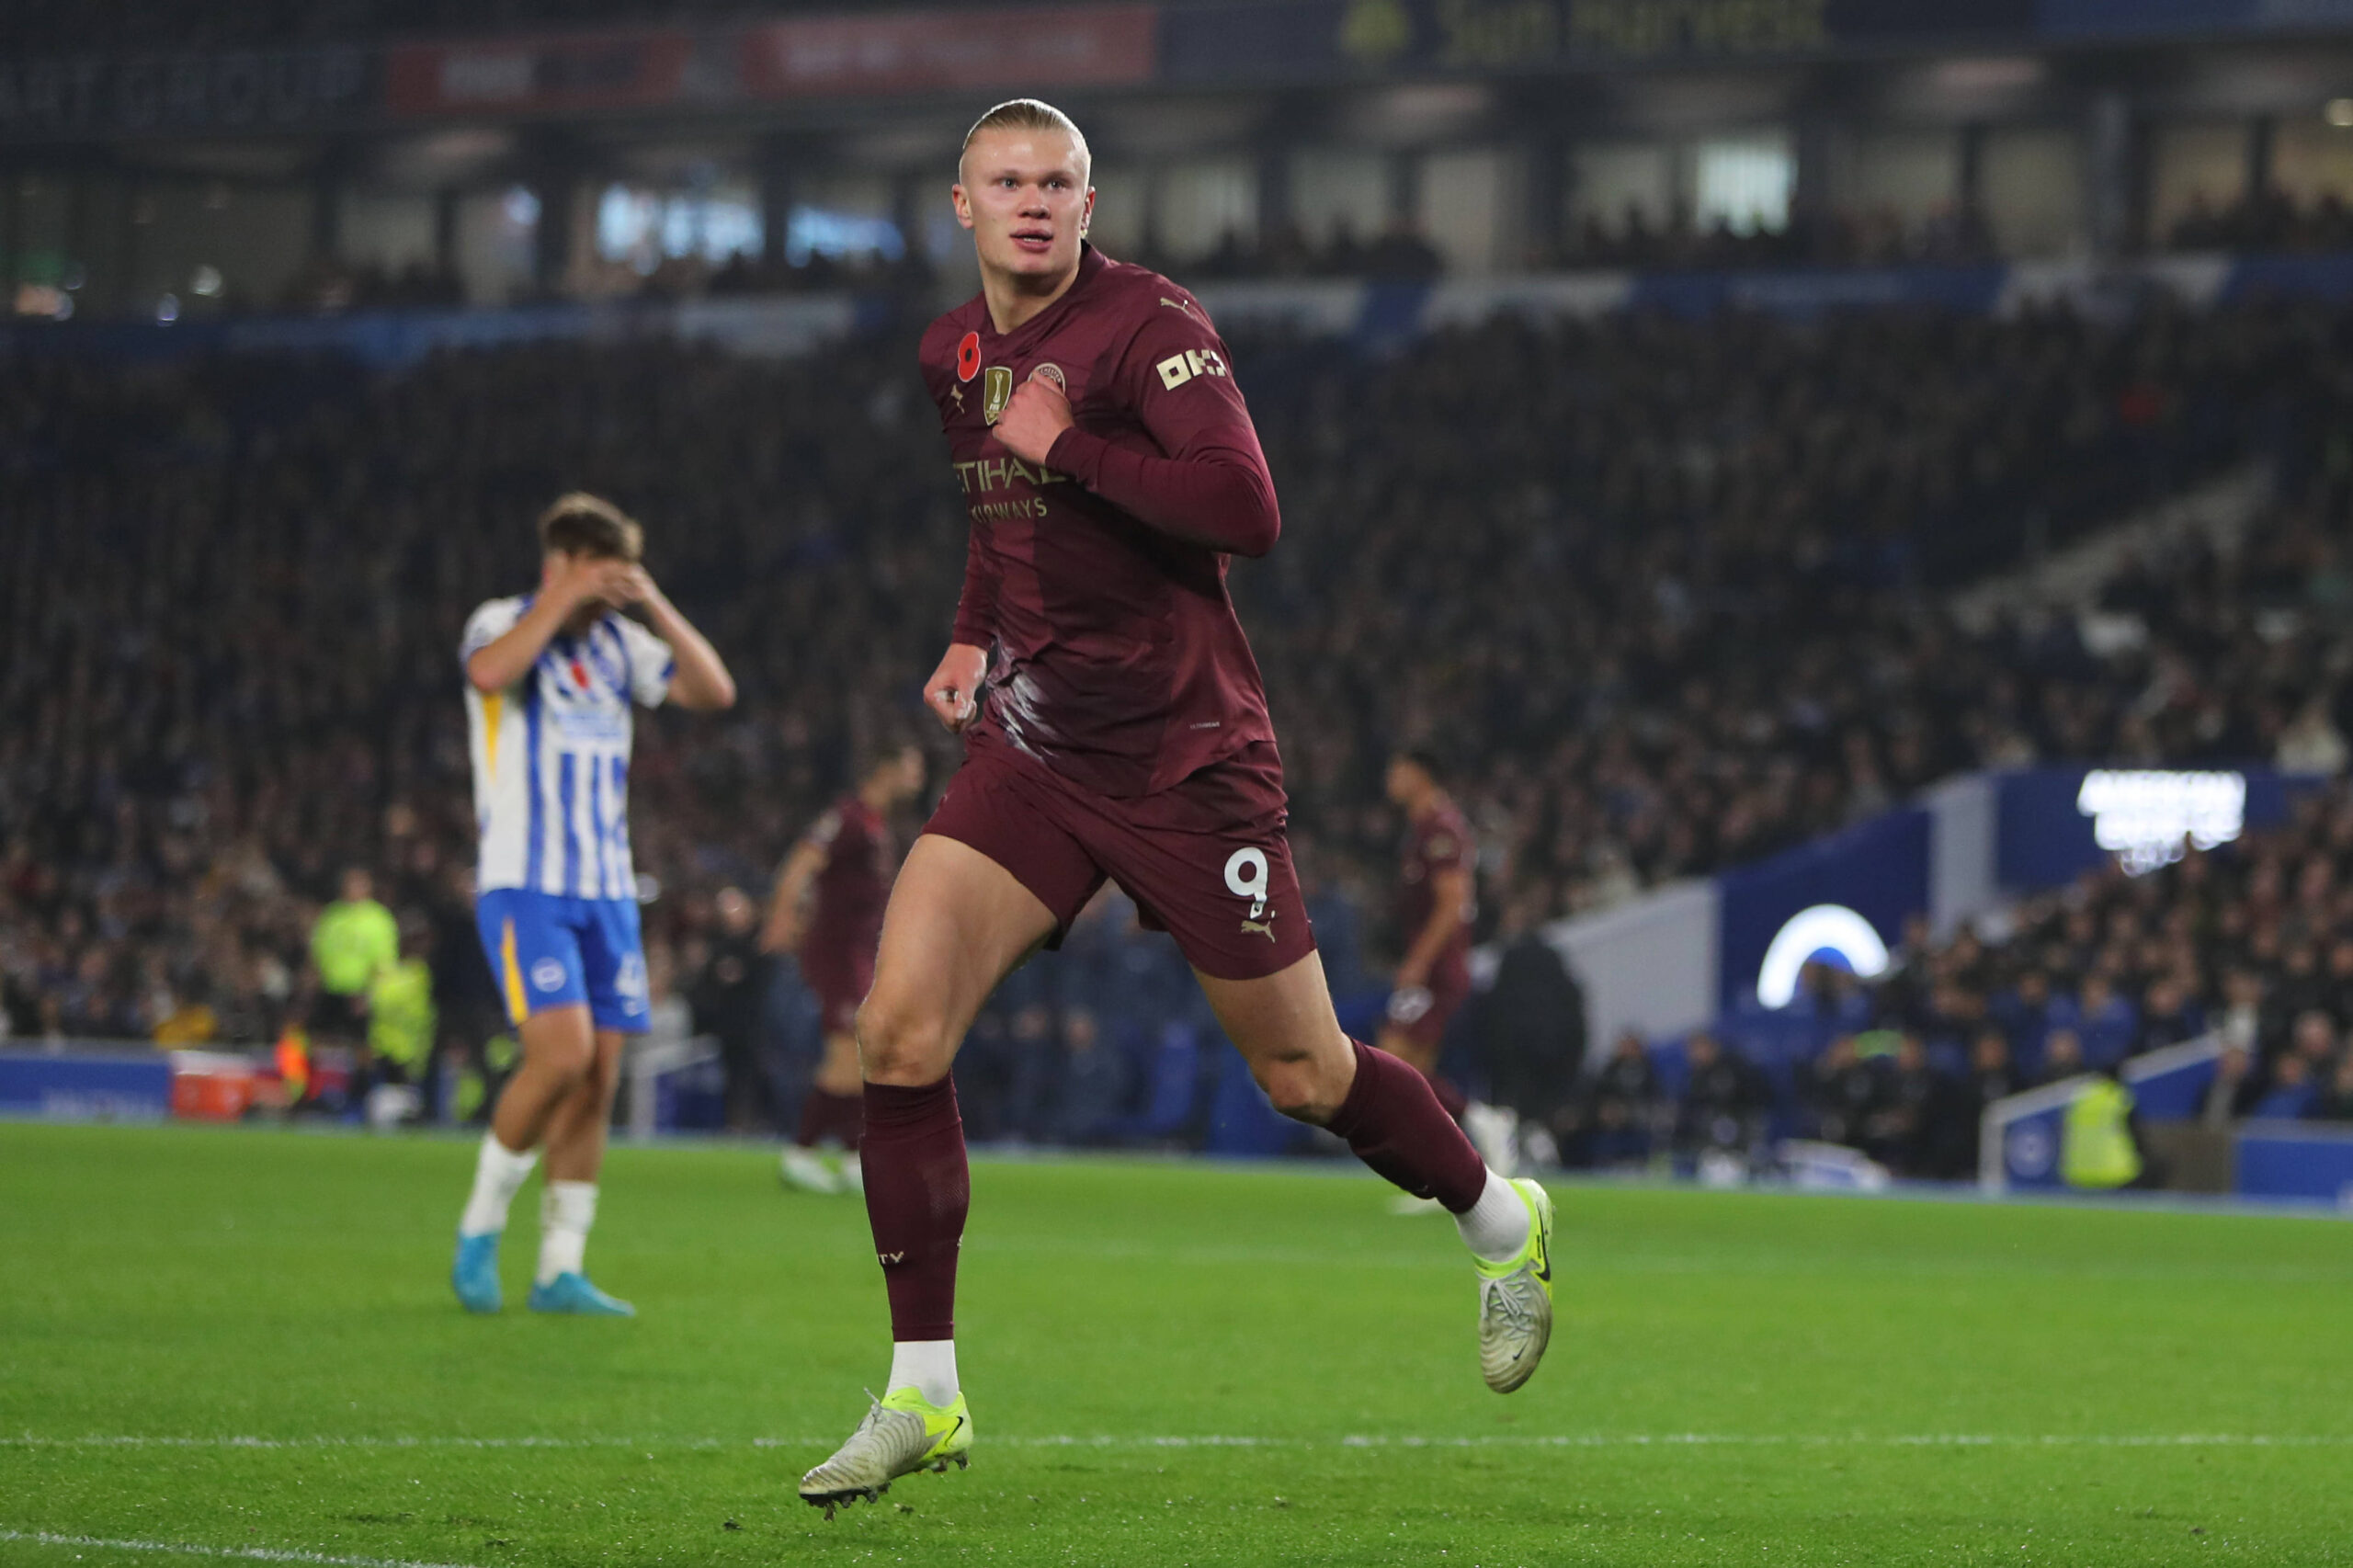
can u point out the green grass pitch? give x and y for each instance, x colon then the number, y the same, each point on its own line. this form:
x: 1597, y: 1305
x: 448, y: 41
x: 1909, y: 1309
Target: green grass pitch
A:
x: 228, y: 1343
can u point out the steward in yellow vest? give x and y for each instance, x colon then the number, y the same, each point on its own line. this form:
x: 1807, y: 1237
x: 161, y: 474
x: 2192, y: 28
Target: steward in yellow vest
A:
x: 2096, y: 1149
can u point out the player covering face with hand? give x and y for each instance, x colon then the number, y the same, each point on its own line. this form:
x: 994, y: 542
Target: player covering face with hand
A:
x: 550, y: 678
x: 1115, y: 727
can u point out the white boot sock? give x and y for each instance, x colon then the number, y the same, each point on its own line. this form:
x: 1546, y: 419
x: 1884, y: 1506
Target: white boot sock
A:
x: 566, y: 1211
x: 1497, y: 1226
x: 500, y: 1175
x: 929, y: 1365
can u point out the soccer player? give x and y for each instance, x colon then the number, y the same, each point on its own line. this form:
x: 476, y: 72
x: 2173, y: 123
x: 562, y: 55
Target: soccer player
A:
x: 1437, y: 901
x: 1116, y: 727
x: 846, y: 858
x: 549, y: 678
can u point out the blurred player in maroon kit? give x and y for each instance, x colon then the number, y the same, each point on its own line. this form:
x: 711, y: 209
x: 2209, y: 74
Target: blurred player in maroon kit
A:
x: 828, y: 909
x: 1115, y: 727
x: 1437, y: 901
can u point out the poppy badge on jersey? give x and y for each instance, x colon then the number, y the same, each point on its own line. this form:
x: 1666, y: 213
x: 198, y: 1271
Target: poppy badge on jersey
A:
x: 968, y: 356
x: 996, y: 392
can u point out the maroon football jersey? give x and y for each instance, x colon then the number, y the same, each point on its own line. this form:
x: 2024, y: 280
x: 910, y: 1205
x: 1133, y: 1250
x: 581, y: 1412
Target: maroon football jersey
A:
x: 1438, y: 840
x: 1100, y: 577
x: 855, y: 884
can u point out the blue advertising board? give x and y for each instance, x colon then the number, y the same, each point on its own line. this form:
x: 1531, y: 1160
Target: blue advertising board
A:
x: 2054, y: 824
x: 62, y: 1087
x: 1877, y: 870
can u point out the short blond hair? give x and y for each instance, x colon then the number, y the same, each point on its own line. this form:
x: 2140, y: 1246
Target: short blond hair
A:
x: 582, y: 524
x: 1026, y: 114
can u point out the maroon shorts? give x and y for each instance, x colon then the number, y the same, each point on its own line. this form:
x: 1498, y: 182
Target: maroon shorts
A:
x: 841, y: 977
x: 1422, y: 1014
x: 1206, y: 861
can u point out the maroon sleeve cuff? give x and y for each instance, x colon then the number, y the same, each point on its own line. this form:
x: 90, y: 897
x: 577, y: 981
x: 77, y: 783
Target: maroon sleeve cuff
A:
x: 1079, y: 453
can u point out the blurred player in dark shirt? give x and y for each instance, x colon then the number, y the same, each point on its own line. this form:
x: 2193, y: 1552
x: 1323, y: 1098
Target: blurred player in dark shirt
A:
x: 828, y: 910
x: 1437, y: 901
x: 1115, y: 728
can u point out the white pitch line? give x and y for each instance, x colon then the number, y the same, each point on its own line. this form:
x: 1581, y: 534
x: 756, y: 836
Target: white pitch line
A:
x: 187, y: 1549
x: 1216, y: 1441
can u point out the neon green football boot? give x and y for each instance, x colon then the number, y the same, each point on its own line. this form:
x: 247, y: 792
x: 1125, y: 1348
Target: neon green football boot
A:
x: 1516, y: 1299
x: 902, y: 1434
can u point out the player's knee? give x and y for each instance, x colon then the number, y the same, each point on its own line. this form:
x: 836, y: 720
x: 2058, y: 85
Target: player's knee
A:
x: 567, y: 1057
x: 1301, y: 1087
x: 900, y: 1044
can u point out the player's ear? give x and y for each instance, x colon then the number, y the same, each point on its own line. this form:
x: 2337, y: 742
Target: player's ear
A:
x: 1086, y: 213
x: 963, y: 203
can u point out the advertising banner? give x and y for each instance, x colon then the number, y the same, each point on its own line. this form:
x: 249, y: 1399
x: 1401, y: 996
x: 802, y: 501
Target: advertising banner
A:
x: 85, y: 1087
x: 923, y: 50
x: 1315, y: 39
x: 2054, y: 824
x: 1844, y: 899
x: 538, y: 76
x: 236, y: 90
x: 2294, y: 1160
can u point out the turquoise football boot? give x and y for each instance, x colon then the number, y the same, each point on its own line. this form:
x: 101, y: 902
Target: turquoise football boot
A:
x: 475, y: 1275
x: 571, y: 1292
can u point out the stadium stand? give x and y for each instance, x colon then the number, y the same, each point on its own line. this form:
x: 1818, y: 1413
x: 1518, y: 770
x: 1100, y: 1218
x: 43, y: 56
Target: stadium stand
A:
x: 1713, y: 560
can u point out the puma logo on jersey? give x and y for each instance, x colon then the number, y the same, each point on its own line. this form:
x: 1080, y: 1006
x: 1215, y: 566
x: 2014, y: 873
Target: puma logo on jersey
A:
x: 1178, y: 368
x: 1259, y: 927
x: 1176, y: 304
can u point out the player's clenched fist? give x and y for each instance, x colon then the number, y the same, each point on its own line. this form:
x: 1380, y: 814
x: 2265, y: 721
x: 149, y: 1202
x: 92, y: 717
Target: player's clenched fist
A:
x: 1036, y: 413
x: 953, y: 692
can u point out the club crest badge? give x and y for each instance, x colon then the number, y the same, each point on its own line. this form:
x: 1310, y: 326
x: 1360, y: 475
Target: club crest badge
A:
x: 1052, y: 376
x: 968, y: 356
x: 997, y: 390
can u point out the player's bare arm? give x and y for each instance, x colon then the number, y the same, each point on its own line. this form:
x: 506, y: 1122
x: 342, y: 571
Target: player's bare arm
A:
x: 702, y: 684
x: 1449, y: 896
x: 787, y: 921
x: 571, y: 583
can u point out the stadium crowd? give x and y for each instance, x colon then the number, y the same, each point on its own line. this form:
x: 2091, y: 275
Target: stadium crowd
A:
x: 1665, y: 592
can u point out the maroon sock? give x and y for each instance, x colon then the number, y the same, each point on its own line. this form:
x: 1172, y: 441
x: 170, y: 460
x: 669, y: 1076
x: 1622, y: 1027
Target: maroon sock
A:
x: 1451, y: 1099
x: 1393, y: 1123
x: 917, y: 1190
x: 827, y: 1115
x: 849, y: 1122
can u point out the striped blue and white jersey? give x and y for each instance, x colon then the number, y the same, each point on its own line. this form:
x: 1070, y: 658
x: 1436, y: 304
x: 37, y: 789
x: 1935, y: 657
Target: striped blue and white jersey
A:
x: 551, y: 754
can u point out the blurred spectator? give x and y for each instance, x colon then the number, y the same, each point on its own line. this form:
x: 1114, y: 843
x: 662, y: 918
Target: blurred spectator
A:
x: 726, y: 1000
x: 2107, y: 1026
x: 1532, y: 1021
x: 1992, y: 1076
x: 2063, y: 1057
x: 1907, y: 1127
x: 1843, y: 1091
x: 1724, y: 1104
x: 354, y: 941
x: 1621, y: 1107
x: 401, y: 1032
x: 2291, y: 1095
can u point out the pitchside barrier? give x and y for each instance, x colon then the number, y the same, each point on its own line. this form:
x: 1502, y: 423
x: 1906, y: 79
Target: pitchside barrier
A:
x: 672, y: 1086
x: 2018, y: 1139
x: 2311, y: 1161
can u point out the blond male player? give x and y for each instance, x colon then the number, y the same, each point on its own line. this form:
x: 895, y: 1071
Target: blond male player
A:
x: 1115, y: 727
